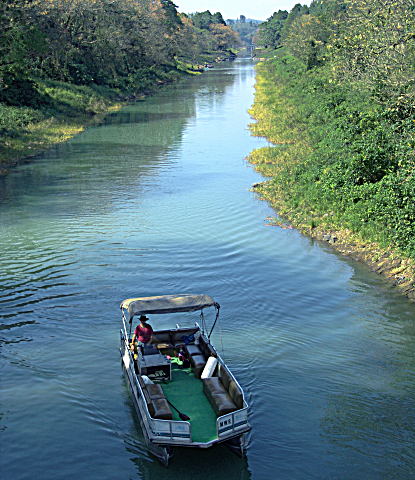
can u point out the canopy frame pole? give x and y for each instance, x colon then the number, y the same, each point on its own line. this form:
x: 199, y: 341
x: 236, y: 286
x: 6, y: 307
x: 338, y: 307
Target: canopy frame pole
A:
x: 203, y: 321
x: 131, y: 327
x: 131, y: 324
x: 214, y: 323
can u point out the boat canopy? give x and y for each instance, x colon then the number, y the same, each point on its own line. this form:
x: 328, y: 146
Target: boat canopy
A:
x: 167, y: 304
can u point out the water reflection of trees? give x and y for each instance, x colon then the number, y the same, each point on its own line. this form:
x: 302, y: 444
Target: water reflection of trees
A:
x: 88, y: 172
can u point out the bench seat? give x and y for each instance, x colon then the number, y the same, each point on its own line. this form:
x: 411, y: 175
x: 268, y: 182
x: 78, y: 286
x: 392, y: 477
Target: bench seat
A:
x: 159, y: 408
x: 197, y: 359
x: 156, y: 401
x: 218, y: 397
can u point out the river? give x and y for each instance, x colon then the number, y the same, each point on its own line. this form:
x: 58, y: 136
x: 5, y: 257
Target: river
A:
x: 156, y: 200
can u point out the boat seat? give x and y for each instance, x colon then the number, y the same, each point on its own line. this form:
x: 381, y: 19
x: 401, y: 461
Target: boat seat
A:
x: 230, y: 386
x: 218, y: 396
x: 206, y: 348
x: 183, y: 337
x: 149, y: 350
x: 223, y: 392
x: 154, y: 391
x: 193, y: 350
x: 156, y: 401
x: 197, y: 359
x: 163, y: 337
x: 160, y: 409
x: 198, y: 363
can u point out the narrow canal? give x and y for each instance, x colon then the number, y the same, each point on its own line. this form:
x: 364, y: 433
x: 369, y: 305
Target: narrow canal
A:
x: 156, y: 201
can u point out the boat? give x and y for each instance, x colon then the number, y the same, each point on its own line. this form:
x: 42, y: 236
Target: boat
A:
x: 184, y: 394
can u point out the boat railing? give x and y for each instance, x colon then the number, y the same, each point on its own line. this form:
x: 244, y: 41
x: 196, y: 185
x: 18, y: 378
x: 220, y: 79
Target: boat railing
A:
x: 175, y: 431
x: 172, y: 430
x: 236, y: 421
x: 233, y: 422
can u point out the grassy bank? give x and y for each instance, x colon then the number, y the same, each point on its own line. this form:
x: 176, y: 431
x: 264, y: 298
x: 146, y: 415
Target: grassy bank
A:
x: 60, y: 110
x: 26, y: 131
x: 341, y: 168
x: 64, y: 62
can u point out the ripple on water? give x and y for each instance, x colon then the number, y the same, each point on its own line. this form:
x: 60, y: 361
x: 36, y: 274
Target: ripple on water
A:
x: 150, y: 204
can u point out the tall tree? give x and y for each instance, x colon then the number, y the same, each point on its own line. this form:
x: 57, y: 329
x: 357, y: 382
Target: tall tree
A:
x: 269, y: 32
x: 376, y: 48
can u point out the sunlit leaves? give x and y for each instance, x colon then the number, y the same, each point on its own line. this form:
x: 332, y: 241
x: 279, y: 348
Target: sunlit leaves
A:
x: 354, y: 105
x: 376, y: 48
x: 106, y: 42
x: 223, y: 36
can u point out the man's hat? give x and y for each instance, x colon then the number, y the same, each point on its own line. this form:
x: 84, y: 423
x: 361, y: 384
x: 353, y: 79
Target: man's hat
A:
x: 143, y: 318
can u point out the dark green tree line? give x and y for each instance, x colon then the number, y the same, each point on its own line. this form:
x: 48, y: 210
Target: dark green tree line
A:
x: 346, y: 71
x: 107, y: 42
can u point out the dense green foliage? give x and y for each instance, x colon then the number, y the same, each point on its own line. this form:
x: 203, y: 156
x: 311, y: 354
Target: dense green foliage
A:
x: 116, y: 43
x: 339, y: 98
x: 204, y: 20
x: 66, y: 108
x: 127, y: 46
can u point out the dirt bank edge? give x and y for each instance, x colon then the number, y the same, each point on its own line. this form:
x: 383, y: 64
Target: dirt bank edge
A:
x: 391, y: 264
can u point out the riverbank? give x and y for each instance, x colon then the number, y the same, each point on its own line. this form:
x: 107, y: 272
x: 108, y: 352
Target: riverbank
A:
x: 60, y: 65
x: 61, y: 110
x: 297, y: 187
x: 397, y: 269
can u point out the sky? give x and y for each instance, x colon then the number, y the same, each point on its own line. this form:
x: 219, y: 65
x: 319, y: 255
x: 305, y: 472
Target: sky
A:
x: 258, y: 10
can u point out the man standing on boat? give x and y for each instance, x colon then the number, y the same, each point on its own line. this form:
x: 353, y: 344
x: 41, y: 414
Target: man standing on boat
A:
x: 143, y: 334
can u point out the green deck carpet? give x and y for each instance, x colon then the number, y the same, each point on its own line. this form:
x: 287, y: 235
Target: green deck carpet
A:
x: 185, y: 392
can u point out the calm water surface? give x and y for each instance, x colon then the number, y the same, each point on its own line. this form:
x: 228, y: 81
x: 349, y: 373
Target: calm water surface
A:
x: 156, y: 201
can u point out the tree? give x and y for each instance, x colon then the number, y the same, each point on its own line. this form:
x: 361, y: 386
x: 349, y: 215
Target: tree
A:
x: 204, y: 20
x: 306, y: 39
x: 170, y: 14
x: 376, y: 48
x: 297, y: 11
x: 224, y: 37
x: 269, y: 32
x: 20, y: 42
x: 117, y: 43
x: 217, y: 18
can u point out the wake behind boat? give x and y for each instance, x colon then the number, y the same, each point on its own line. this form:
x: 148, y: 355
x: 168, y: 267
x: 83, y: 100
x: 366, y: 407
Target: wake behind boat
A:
x: 184, y: 393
